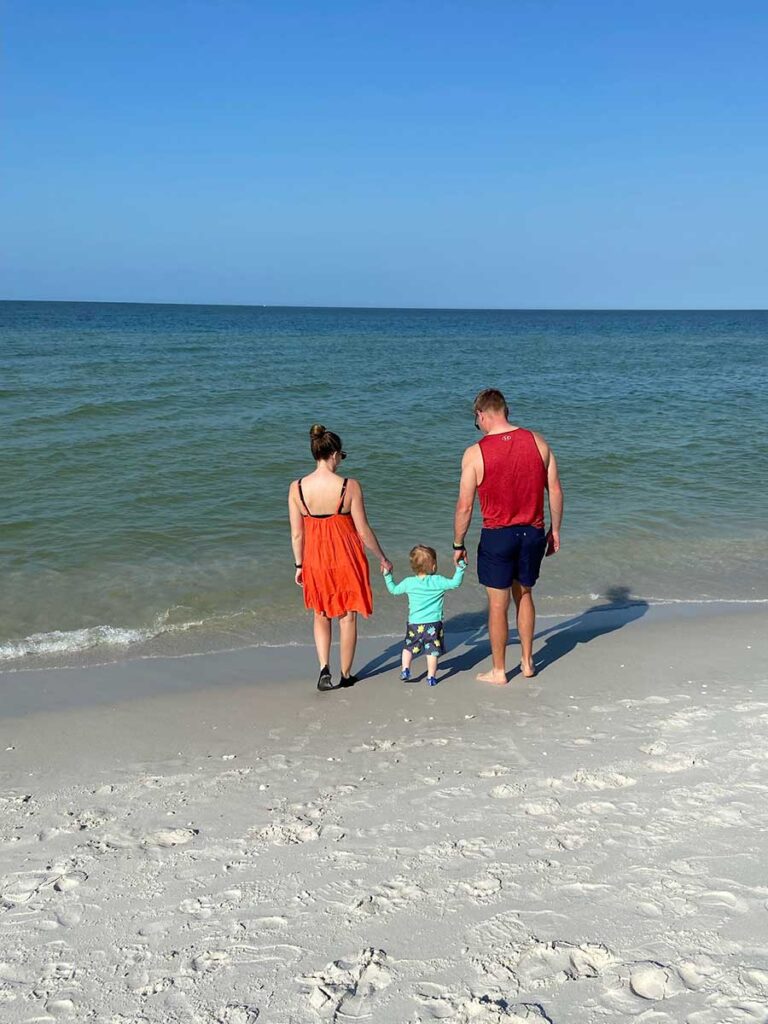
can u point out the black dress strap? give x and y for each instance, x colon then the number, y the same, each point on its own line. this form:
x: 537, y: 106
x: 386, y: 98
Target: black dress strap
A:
x: 301, y: 495
x: 343, y: 492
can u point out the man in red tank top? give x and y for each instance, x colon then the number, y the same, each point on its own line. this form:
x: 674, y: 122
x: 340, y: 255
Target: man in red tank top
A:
x: 509, y: 469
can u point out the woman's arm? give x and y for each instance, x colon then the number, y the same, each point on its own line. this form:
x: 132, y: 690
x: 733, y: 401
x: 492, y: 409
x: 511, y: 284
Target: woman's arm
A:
x: 297, y: 529
x: 359, y: 518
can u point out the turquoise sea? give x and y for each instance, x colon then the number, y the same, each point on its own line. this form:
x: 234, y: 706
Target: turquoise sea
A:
x: 147, y: 451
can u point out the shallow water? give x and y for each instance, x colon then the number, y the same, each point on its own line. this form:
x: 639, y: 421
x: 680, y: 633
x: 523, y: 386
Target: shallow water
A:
x: 148, y: 450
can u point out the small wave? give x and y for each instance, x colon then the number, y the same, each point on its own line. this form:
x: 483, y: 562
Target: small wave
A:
x: 75, y: 641
x: 71, y: 641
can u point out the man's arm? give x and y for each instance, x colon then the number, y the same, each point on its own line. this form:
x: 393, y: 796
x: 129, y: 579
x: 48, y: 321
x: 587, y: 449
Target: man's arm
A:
x: 555, y: 490
x: 466, y: 500
x: 555, y: 494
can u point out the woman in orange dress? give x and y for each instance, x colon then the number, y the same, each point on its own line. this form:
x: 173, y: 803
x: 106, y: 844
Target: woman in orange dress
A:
x: 328, y: 530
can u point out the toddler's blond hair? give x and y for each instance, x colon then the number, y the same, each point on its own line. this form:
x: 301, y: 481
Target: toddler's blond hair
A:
x: 423, y: 559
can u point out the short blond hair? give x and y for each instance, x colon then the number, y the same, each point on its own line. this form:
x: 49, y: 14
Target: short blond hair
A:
x: 491, y: 400
x: 423, y: 559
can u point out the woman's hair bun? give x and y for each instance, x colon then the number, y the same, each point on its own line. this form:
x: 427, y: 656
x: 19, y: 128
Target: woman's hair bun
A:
x: 323, y: 442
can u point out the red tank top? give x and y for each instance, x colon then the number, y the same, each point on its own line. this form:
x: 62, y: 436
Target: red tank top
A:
x: 514, y: 480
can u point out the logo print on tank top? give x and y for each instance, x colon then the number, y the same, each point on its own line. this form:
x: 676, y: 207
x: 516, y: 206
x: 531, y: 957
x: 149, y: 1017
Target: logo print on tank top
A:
x: 507, y: 437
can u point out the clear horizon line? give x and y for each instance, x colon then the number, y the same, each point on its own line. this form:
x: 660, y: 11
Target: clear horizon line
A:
x: 424, y: 309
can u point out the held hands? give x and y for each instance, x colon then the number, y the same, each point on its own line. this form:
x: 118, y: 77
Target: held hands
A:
x: 460, y: 556
x: 553, y: 542
x: 385, y: 565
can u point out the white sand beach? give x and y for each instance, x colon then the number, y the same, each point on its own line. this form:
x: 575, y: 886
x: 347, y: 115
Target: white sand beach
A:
x: 210, y: 840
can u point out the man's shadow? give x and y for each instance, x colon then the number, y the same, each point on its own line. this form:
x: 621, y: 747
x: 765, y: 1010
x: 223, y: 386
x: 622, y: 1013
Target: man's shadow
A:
x: 469, y: 630
x: 618, y: 609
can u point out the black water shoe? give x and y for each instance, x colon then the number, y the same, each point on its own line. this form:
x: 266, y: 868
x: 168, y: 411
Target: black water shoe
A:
x: 348, y: 680
x: 325, y: 682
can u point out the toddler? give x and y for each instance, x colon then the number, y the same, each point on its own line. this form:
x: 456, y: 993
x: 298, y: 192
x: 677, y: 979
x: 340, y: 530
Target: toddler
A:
x: 425, y: 590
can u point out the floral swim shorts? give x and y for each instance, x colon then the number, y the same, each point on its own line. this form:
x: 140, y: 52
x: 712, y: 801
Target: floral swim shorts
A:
x: 424, y: 638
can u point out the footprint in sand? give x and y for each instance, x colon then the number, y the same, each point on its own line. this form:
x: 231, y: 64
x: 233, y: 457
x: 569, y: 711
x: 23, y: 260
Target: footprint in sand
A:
x: 469, y: 1008
x: 644, y: 980
x: 211, y: 960
x: 597, y: 807
x: 65, y: 883
x: 238, y: 1013
x: 505, y: 791
x: 346, y: 988
x: 197, y: 906
x: 653, y: 981
x: 480, y: 890
x: 537, y: 964
x: 726, y: 900
x: 395, y: 895
x: 21, y: 886
x: 477, y: 848
x: 60, y: 1006
x: 542, y: 808
x: 164, y: 838
x: 606, y: 779
x: 288, y: 833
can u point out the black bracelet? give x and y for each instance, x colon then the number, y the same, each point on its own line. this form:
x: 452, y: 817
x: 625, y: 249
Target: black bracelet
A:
x: 459, y: 547
x: 297, y: 564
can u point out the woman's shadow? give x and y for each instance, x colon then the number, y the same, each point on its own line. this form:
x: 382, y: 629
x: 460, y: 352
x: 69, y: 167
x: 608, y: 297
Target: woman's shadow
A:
x: 469, y: 630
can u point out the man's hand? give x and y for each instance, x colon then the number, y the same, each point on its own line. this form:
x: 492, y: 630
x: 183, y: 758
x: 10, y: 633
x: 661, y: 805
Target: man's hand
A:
x: 459, y: 555
x: 553, y: 543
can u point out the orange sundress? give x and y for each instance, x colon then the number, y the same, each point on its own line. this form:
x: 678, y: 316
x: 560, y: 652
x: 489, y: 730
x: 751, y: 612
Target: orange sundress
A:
x: 334, y: 569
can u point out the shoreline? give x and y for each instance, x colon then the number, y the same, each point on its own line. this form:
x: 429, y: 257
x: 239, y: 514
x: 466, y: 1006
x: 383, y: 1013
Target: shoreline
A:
x: 193, y: 645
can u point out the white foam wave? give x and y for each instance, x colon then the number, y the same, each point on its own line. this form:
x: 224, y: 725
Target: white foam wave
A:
x: 76, y: 641
x: 72, y: 641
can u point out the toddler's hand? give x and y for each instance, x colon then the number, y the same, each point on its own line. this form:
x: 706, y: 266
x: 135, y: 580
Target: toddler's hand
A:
x: 463, y: 563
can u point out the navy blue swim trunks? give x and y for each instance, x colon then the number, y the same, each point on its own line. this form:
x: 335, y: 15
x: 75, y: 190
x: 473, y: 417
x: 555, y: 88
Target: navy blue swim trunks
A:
x: 510, y: 553
x: 424, y: 638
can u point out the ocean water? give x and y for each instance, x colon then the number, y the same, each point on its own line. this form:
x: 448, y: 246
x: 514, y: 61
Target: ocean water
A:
x: 147, y: 452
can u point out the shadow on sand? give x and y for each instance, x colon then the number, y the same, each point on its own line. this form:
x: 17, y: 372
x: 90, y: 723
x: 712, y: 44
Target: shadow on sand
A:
x: 469, y: 630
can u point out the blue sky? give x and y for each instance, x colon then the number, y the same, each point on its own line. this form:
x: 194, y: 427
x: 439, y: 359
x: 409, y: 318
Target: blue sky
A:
x: 527, y: 153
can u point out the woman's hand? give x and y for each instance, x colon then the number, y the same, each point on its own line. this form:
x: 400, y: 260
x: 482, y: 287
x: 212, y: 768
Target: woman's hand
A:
x: 385, y: 565
x: 299, y: 578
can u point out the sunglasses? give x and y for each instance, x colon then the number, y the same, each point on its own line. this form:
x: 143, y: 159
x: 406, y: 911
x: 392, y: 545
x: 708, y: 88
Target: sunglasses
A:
x: 477, y: 425
x: 343, y: 454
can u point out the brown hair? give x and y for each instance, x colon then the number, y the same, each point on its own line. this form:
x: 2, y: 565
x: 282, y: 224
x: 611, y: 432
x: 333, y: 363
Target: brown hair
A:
x: 324, y: 443
x: 491, y: 400
x: 423, y: 559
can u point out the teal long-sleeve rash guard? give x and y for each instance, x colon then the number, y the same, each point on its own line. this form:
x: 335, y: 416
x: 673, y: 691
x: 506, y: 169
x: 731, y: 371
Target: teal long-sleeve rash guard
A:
x: 425, y: 593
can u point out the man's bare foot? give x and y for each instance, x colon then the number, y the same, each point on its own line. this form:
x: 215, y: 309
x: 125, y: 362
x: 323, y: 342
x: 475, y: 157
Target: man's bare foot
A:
x: 496, y: 677
x: 528, y: 669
